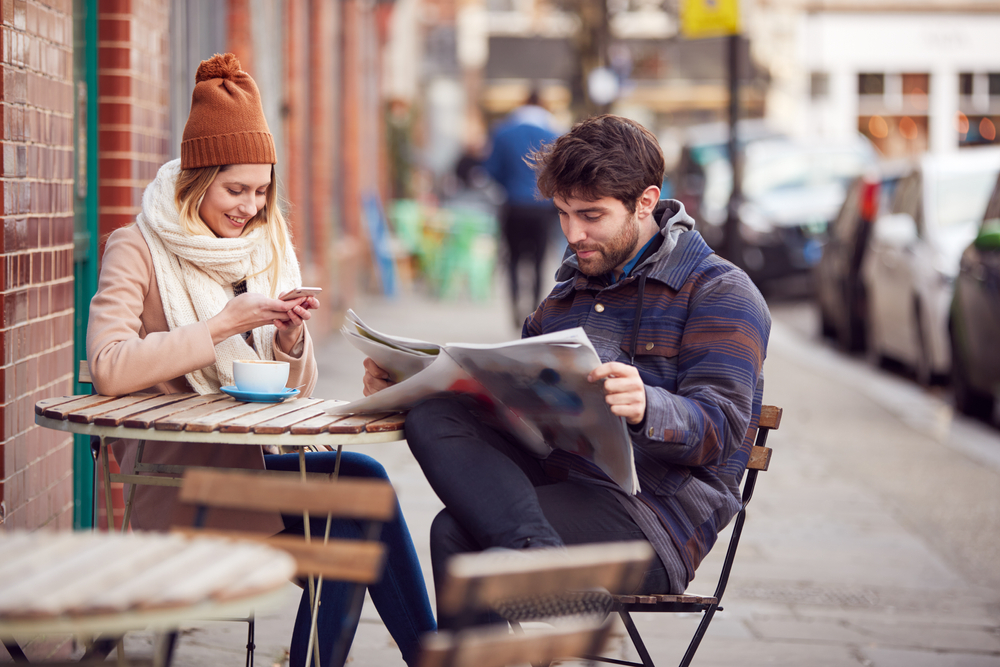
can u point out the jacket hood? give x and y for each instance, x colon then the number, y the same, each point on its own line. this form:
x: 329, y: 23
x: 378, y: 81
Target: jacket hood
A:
x: 673, y: 221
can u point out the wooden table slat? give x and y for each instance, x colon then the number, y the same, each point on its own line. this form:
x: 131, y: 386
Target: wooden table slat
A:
x: 106, y: 568
x: 62, y: 410
x: 116, y: 417
x: 218, y: 571
x: 392, y: 423
x: 177, y: 422
x: 356, y: 423
x: 87, y: 415
x: 245, y: 423
x: 279, y: 424
x: 46, y: 403
x: 148, y: 418
x: 49, y: 572
x: 210, y: 422
x: 315, y: 425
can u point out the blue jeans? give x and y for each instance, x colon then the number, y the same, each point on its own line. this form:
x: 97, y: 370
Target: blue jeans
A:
x: 400, y: 597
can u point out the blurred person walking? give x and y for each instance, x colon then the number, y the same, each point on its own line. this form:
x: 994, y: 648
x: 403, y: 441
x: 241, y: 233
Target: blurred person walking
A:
x: 526, y: 219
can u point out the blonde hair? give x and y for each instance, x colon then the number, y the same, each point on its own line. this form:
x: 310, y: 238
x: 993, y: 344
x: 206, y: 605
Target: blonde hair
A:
x: 192, y: 184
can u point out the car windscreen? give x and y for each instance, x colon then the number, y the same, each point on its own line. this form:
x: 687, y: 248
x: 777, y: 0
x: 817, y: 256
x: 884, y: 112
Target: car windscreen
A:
x: 785, y: 170
x: 961, y: 198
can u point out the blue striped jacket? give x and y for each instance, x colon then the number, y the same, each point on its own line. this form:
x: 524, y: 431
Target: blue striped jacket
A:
x: 700, y: 350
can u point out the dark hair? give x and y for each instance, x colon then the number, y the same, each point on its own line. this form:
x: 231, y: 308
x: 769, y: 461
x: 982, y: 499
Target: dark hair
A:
x: 602, y: 156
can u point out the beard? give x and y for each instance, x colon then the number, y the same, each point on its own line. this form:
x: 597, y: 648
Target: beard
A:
x: 611, y: 254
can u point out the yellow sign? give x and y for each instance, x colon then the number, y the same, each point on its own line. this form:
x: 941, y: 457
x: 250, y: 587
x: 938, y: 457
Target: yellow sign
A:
x: 709, y: 18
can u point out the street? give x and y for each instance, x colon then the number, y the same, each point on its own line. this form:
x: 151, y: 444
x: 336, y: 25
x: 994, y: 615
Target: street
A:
x: 872, y: 540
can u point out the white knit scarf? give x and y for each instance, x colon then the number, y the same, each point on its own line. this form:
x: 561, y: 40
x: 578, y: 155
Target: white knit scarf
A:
x: 193, y: 272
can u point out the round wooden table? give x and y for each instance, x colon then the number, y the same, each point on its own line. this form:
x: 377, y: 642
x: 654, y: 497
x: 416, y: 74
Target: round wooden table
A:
x: 211, y: 418
x: 96, y: 583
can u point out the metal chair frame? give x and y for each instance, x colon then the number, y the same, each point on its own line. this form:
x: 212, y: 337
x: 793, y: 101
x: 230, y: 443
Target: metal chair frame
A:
x: 625, y: 605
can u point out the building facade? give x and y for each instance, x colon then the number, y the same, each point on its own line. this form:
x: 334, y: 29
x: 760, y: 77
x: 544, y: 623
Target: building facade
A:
x: 93, y: 99
x: 912, y: 77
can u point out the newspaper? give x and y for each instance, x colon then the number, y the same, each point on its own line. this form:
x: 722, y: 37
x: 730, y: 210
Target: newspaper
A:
x: 537, y: 386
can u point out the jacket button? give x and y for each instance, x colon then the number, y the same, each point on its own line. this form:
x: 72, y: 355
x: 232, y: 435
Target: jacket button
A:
x: 599, y: 307
x: 649, y: 346
x: 650, y: 431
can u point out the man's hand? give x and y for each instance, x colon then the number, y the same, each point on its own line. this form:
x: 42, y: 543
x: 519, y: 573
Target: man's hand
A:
x: 376, y: 377
x: 623, y: 390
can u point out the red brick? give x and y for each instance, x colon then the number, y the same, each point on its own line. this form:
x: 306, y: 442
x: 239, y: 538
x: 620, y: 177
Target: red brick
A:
x: 113, y: 29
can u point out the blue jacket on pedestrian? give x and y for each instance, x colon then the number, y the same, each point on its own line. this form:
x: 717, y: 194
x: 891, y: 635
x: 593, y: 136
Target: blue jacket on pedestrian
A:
x: 521, y: 133
x: 699, y: 349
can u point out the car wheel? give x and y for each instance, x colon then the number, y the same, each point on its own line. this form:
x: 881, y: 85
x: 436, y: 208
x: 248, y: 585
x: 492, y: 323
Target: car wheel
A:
x: 827, y: 328
x: 873, y: 353
x: 968, y: 399
x: 856, y: 322
x: 922, y: 367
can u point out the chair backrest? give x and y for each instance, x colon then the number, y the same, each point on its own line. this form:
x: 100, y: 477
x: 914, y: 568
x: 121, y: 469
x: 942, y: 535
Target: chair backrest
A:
x: 770, y: 420
x: 344, y: 560
x: 83, y: 377
x: 760, y: 460
x: 481, y: 581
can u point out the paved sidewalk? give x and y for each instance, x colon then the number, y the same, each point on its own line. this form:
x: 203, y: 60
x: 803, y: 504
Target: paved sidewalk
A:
x: 853, y: 553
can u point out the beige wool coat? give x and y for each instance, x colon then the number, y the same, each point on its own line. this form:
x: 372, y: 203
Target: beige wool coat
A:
x: 131, y: 349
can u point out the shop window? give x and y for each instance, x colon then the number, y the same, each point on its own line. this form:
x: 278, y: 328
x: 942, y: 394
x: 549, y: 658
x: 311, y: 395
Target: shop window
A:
x: 994, y: 79
x: 871, y: 84
x: 916, y: 84
x: 965, y: 80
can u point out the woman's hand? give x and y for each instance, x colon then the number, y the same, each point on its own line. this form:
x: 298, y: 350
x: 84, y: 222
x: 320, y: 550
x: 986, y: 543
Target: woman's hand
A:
x: 623, y: 390
x: 290, y: 330
x: 376, y: 377
x: 251, y: 310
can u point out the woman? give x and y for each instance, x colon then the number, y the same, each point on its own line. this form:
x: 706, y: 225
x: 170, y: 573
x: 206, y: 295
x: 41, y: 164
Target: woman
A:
x: 191, y: 287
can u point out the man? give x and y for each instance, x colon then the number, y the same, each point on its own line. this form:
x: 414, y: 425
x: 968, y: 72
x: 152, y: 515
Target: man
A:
x: 682, y: 334
x: 526, y: 221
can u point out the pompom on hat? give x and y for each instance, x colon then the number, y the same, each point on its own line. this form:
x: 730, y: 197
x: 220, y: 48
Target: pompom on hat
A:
x: 226, y: 124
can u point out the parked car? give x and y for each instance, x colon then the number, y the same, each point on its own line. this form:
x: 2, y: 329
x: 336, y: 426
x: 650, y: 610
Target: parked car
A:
x: 840, y: 293
x: 909, y: 271
x: 974, y: 326
x: 791, y: 191
x: 707, y: 146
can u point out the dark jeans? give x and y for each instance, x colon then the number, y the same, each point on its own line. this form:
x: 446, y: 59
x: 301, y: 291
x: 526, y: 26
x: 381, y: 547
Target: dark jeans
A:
x: 497, y: 495
x: 526, y: 231
x: 400, y: 597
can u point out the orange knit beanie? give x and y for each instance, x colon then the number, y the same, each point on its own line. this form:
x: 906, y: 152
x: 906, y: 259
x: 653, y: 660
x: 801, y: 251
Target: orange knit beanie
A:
x: 226, y: 124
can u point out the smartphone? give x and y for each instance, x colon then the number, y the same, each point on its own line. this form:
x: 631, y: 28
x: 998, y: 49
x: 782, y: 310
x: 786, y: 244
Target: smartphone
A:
x: 300, y: 292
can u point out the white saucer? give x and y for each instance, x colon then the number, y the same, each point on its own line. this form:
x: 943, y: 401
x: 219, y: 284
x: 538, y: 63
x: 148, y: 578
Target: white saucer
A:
x: 259, y: 397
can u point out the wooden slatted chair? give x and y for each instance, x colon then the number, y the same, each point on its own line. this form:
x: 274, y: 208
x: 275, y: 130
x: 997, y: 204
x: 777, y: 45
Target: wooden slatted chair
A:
x: 553, y: 578
x: 625, y: 605
x: 356, y: 561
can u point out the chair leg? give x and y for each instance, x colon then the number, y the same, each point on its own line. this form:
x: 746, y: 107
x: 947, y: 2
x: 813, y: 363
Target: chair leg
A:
x: 100, y: 648
x: 699, y: 633
x: 106, y: 469
x: 633, y: 633
x: 130, y: 501
x: 250, y: 643
x: 164, y: 652
x: 14, y: 649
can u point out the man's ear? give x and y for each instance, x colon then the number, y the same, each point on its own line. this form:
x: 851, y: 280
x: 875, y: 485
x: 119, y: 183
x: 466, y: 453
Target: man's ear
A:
x: 647, y: 201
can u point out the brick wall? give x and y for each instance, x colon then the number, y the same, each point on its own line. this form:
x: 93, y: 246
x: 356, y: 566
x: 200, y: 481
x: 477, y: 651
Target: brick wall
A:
x: 133, y: 111
x: 36, y: 258
x: 133, y: 104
